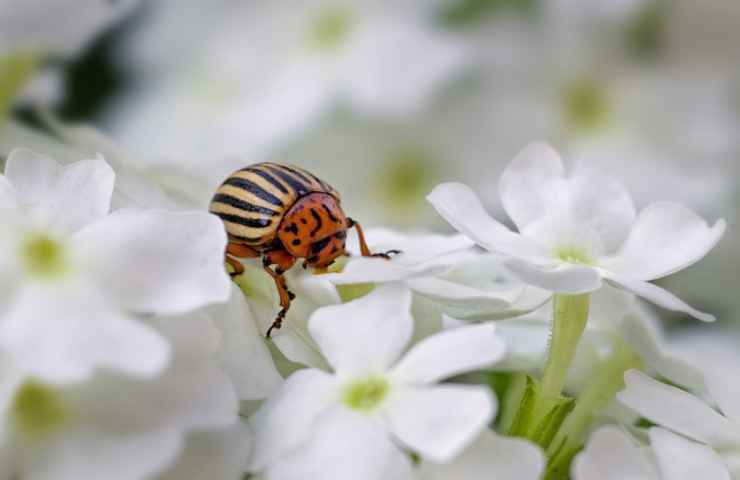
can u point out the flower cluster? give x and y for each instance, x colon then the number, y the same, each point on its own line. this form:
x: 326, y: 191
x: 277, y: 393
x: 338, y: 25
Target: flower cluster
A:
x: 524, y: 347
x: 127, y: 354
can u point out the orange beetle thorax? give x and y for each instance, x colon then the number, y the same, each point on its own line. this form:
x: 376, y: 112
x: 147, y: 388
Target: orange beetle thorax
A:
x: 315, y: 228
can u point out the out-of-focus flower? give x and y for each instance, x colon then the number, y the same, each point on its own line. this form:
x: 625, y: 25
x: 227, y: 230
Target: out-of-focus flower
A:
x: 611, y: 455
x: 375, y: 403
x: 574, y: 232
x: 715, y: 435
x: 58, y: 27
x: 217, y: 455
x: 73, y: 273
x: 117, y: 427
x: 231, y: 99
x: 490, y: 456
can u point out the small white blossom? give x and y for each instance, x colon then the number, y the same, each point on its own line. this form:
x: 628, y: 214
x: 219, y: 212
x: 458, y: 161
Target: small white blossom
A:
x: 447, y: 270
x: 576, y: 232
x: 611, y: 455
x: 73, y: 273
x: 360, y: 417
x: 115, y: 427
x: 717, y: 432
x: 490, y: 456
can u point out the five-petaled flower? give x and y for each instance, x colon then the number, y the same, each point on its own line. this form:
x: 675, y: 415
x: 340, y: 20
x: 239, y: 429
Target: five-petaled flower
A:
x: 576, y: 232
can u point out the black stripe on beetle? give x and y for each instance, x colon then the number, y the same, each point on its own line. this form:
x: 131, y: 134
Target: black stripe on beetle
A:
x: 299, y: 188
x: 247, y: 222
x: 242, y: 205
x: 254, y: 189
x: 273, y: 181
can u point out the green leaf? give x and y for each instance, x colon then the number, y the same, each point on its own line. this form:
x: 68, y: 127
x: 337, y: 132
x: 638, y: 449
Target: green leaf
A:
x: 523, y: 418
x: 550, y: 425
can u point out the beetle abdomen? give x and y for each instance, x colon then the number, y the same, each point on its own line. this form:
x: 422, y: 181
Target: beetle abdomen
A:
x: 252, y: 201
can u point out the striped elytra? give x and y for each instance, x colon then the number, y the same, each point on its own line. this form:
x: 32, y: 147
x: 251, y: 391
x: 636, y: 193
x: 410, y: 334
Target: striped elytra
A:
x: 253, y: 200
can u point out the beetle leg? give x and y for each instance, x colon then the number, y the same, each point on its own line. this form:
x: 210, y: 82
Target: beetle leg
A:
x: 286, y: 296
x: 364, y: 249
x: 238, y: 250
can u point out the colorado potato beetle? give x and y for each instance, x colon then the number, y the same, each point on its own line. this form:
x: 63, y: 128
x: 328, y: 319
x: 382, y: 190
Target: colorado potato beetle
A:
x: 282, y: 213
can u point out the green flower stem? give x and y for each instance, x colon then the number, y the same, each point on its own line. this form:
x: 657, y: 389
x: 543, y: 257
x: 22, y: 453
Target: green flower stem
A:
x: 570, y: 314
x: 606, y: 381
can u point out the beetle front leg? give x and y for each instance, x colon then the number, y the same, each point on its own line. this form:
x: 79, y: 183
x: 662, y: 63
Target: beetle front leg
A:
x: 364, y: 249
x: 286, y: 296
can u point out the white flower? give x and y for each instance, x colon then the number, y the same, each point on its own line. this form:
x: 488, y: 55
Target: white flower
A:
x: 312, y: 292
x: 676, y: 410
x: 379, y: 58
x: 447, y: 270
x: 575, y: 232
x: 115, y: 427
x: 62, y: 27
x: 611, y: 455
x: 243, y: 352
x: 215, y: 455
x: 490, y: 456
x: 360, y: 417
x: 72, y: 272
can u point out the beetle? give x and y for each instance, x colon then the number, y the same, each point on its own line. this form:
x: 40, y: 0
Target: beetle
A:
x: 283, y: 213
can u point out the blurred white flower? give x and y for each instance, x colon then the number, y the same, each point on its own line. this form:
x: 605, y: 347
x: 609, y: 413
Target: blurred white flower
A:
x: 215, y: 455
x: 259, y: 73
x: 574, y: 232
x: 57, y: 27
x: 611, y: 455
x: 490, y: 456
x: 715, y: 434
x: 72, y: 272
x: 375, y: 404
x: 116, y: 427
x: 445, y: 269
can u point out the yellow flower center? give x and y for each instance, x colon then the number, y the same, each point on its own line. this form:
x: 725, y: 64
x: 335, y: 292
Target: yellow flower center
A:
x: 37, y: 410
x: 367, y: 394
x: 43, y: 256
x: 586, y: 106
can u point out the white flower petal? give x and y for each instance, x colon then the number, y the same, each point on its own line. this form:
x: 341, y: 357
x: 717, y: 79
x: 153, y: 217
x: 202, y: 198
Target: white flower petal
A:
x: 8, y: 195
x: 682, y: 459
x: 344, y: 445
x: 677, y: 410
x: 87, y: 452
x: 31, y: 174
x: 244, y: 354
x: 659, y: 296
x: 366, y: 335
x: 287, y: 420
x: 63, y: 199
x: 641, y: 334
x: 450, y: 353
x: 439, y: 422
x: 158, y: 262
x: 559, y: 278
x: 491, y: 457
x: 725, y: 390
x: 61, y: 334
x: 367, y: 270
x: 667, y: 237
x: 216, y: 455
x: 523, y: 185
x: 611, y: 455
x: 462, y: 208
